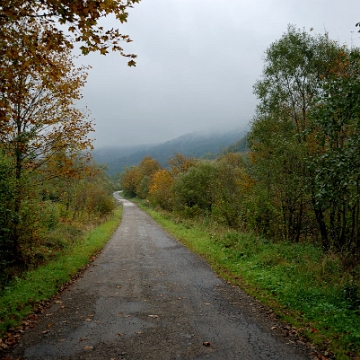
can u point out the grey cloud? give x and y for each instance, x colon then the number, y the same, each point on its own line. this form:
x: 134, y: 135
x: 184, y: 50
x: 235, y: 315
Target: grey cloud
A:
x: 197, y: 63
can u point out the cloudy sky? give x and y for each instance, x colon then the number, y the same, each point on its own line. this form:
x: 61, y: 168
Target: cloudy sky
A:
x: 197, y: 63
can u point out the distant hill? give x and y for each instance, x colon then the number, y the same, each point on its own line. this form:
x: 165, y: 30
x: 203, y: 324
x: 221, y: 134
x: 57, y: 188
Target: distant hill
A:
x: 105, y: 154
x: 238, y: 146
x: 194, y: 144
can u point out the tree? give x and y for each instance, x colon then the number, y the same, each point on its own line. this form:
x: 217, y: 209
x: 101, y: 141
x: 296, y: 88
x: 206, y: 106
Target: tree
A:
x: 160, y: 188
x: 335, y: 164
x: 38, y: 117
x: 147, y: 167
x: 228, y: 195
x: 81, y: 18
x: 7, y: 189
x: 194, y: 189
x: 277, y: 165
x: 31, y: 32
x: 92, y: 194
x: 129, y: 180
x: 180, y: 164
x: 295, y: 67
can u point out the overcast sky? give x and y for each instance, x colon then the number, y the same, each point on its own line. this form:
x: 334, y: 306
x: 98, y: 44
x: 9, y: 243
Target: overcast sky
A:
x: 197, y: 62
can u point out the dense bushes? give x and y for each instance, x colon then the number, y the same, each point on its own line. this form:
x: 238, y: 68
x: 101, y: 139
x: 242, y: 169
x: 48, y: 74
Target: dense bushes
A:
x: 195, y: 188
x: 305, y: 142
x: 51, y: 214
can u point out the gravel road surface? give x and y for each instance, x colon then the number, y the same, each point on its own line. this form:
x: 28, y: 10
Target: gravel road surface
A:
x: 148, y: 297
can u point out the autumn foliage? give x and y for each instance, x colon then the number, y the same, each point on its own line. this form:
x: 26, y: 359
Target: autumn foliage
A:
x: 80, y: 17
x: 46, y: 174
x: 160, y: 188
x: 193, y: 187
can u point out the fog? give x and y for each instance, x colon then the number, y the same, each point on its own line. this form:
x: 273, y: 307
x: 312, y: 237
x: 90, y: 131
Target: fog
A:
x: 197, y: 63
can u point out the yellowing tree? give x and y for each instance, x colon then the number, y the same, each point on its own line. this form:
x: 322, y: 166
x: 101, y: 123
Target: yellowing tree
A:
x: 180, y: 164
x: 80, y: 16
x: 147, y: 167
x: 160, y: 188
x: 38, y: 119
x: 129, y: 179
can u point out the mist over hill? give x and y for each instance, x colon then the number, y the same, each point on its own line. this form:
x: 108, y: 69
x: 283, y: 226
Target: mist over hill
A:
x: 198, y: 145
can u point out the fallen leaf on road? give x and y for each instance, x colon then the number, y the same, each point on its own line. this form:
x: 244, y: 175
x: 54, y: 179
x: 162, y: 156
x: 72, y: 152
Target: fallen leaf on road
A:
x: 127, y: 316
x: 83, y: 339
x: 321, y: 357
x: 119, y: 314
x: 119, y: 287
x: 120, y: 334
x: 206, y: 343
x: 88, y: 347
x: 138, y: 332
x: 154, y: 316
x: 45, y: 331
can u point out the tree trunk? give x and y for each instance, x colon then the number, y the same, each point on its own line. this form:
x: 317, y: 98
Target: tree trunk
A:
x: 322, y: 226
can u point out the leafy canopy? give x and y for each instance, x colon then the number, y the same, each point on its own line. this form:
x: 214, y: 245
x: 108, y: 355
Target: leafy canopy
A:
x: 81, y: 17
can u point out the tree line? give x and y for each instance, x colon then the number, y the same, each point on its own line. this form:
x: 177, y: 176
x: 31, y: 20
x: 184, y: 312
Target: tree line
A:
x: 47, y: 179
x: 300, y: 179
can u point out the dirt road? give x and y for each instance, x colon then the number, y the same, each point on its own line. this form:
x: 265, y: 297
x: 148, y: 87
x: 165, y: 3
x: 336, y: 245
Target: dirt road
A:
x: 147, y: 297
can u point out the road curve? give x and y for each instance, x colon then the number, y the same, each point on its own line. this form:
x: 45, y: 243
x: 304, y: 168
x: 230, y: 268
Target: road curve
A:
x: 148, y: 297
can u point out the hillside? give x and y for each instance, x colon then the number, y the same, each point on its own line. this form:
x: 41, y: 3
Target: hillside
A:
x: 238, y: 146
x: 194, y: 144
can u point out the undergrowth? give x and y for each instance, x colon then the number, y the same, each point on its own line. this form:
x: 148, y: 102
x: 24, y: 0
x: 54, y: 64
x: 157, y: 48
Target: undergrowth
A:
x: 22, y: 295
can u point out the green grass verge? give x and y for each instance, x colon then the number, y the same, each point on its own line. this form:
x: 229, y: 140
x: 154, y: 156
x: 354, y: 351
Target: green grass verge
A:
x: 304, y: 286
x: 21, y: 297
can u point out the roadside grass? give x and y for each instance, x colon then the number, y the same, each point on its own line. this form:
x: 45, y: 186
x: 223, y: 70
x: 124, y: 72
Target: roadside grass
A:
x: 304, y: 286
x: 21, y: 297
